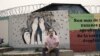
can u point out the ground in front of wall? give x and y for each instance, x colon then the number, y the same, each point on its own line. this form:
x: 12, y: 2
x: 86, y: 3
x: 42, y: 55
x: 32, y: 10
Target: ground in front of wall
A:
x: 95, y: 53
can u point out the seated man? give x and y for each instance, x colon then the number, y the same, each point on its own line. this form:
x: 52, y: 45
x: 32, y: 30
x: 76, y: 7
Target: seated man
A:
x: 51, y: 44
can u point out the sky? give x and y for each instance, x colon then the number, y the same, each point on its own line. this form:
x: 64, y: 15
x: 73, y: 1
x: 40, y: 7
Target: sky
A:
x: 6, y: 4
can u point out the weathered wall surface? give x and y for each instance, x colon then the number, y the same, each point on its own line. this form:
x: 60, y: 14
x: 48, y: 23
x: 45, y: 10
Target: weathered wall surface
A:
x: 4, y: 29
x: 18, y: 22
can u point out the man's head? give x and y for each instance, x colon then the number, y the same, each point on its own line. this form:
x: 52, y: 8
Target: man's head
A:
x: 51, y: 32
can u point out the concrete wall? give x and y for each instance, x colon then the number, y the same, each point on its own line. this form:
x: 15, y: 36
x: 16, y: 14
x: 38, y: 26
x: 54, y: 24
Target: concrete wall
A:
x: 4, y: 30
x: 17, y: 22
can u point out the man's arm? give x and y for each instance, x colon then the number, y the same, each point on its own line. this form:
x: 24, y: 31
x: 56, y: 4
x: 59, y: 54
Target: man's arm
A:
x: 56, y: 44
x: 45, y: 44
x: 49, y: 49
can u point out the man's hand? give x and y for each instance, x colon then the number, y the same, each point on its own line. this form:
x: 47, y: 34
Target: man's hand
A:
x: 49, y: 50
x: 56, y: 44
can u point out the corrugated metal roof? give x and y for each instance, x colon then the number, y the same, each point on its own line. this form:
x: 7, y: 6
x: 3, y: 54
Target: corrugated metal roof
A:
x: 53, y: 5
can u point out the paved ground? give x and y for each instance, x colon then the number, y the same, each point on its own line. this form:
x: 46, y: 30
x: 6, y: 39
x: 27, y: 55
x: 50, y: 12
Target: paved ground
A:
x: 75, y: 53
x: 29, y: 52
x: 87, y: 53
x: 95, y: 53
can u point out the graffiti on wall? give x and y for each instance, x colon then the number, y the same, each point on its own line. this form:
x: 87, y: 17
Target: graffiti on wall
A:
x: 85, y: 32
x: 29, y: 30
x: 38, y: 25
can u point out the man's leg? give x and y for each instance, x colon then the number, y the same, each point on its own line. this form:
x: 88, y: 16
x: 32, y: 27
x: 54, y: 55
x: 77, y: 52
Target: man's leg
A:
x: 44, y: 51
x: 56, y: 50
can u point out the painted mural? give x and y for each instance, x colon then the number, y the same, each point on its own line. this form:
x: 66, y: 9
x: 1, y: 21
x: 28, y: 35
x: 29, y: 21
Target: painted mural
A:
x: 79, y: 32
x: 84, y: 32
x: 30, y: 30
x: 38, y: 25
